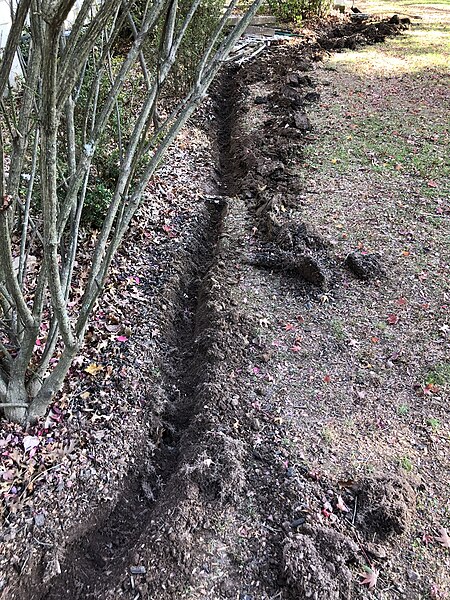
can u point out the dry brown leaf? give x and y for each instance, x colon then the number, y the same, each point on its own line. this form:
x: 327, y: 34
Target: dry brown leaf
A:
x: 443, y: 538
x: 93, y: 369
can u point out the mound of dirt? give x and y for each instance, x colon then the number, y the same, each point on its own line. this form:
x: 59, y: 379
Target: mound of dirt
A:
x: 217, y: 469
x: 315, y: 564
x: 294, y: 263
x: 364, y: 266
x: 386, y: 505
x: 352, y: 34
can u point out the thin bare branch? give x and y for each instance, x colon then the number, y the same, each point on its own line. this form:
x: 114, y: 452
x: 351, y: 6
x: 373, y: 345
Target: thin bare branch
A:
x: 13, y: 41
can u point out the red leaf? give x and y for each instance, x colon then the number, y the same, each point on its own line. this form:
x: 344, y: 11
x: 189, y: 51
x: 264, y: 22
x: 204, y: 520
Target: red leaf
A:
x: 393, y: 319
x: 431, y: 388
x: 370, y: 577
x: 327, y: 379
x: 169, y: 231
x: 432, y: 184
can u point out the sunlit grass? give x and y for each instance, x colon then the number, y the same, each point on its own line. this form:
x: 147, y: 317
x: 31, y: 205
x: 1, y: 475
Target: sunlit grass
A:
x: 396, y: 97
x: 414, y: 51
x: 381, y: 6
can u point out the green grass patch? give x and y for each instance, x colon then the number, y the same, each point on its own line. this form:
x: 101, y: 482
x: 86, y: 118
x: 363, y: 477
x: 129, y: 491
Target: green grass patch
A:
x: 439, y: 375
x: 403, y: 410
x: 434, y: 423
x: 406, y: 464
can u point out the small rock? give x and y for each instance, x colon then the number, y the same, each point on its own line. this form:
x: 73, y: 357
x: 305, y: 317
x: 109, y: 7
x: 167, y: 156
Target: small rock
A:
x: 39, y: 519
x: 290, y: 472
x: 138, y: 570
x: 412, y: 575
x: 376, y: 550
x: 261, y: 100
x: 297, y: 522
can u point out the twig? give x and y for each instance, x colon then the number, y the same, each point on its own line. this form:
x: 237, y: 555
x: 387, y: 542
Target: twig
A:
x: 46, y: 544
x: 354, y: 510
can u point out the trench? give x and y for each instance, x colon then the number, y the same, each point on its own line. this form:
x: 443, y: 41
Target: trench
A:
x: 96, y: 562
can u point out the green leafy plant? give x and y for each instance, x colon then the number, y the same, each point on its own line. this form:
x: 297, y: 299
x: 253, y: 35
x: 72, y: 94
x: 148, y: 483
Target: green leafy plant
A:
x: 433, y: 423
x: 296, y: 10
x: 96, y: 204
x: 403, y: 410
x: 406, y: 464
x: 439, y: 375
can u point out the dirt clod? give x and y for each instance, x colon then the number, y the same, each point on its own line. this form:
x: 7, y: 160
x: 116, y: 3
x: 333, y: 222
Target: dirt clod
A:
x: 364, y: 266
x: 302, y: 121
x: 296, y: 264
x: 316, y: 563
x: 312, y: 97
x: 385, y: 506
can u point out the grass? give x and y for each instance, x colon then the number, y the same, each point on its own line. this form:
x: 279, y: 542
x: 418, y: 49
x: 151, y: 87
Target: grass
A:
x: 406, y: 464
x: 410, y: 137
x: 434, y: 423
x: 327, y: 435
x: 403, y: 410
x: 394, y: 143
x: 439, y: 375
x: 377, y: 179
x: 338, y: 329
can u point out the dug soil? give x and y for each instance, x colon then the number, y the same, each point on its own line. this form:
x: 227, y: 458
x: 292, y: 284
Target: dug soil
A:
x: 245, y: 437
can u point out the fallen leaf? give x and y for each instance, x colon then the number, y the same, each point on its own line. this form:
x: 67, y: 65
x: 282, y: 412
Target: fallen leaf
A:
x: 370, y: 577
x: 443, y: 538
x: 431, y: 388
x: 93, y: 369
x: 393, y: 319
x: 327, y: 379
x: 427, y: 538
x: 432, y: 184
x: 30, y: 442
x: 170, y: 232
x: 436, y: 593
x: 340, y: 505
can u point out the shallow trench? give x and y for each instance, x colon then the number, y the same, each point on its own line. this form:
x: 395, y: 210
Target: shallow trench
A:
x: 95, y: 563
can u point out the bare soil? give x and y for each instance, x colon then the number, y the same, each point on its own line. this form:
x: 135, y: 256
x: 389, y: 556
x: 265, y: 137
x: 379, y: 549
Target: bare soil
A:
x: 255, y: 446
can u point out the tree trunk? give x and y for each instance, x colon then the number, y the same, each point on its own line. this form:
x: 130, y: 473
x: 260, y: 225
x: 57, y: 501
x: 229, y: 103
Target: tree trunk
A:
x: 16, y: 395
